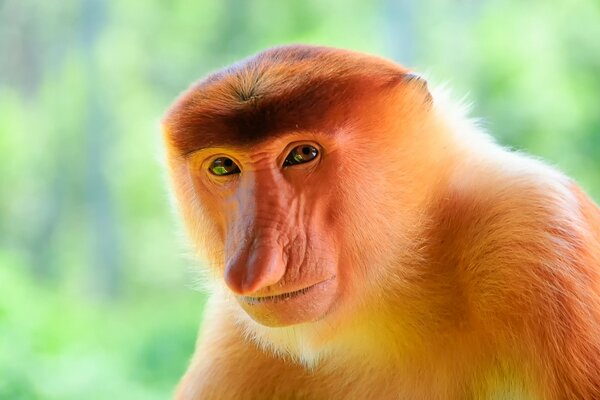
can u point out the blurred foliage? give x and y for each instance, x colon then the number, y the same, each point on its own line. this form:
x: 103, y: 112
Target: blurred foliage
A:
x: 95, y: 297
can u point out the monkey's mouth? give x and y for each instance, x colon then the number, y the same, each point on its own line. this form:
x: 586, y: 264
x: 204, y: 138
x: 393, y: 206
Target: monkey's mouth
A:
x: 284, y: 296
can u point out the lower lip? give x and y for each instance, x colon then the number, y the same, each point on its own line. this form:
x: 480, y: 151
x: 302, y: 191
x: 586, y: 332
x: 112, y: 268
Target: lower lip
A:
x: 309, y: 304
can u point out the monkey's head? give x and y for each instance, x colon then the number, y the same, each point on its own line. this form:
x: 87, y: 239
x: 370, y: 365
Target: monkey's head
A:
x: 299, y: 173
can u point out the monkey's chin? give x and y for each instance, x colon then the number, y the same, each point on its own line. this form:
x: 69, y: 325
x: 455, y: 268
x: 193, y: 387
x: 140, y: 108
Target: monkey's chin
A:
x: 305, y: 305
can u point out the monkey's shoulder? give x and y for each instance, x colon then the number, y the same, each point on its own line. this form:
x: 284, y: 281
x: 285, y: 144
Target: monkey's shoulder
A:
x: 519, y: 205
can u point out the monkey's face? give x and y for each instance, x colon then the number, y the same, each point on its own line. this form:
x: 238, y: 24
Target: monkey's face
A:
x: 282, y: 167
x: 274, y: 207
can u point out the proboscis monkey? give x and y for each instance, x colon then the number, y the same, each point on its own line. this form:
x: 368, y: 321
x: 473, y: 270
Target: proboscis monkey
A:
x: 366, y: 240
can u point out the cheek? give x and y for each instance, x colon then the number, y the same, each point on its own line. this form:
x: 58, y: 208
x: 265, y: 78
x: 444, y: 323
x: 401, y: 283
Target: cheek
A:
x: 323, y: 252
x: 367, y: 231
x: 204, y: 219
x: 219, y: 204
x: 207, y: 237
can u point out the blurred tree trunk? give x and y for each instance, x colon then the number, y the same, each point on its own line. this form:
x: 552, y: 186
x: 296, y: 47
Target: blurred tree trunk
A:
x: 106, y: 253
x: 399, y: 27
x: 21, y: 70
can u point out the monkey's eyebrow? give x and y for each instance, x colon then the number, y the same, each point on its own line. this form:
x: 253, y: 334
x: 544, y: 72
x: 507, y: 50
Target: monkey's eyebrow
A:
x: 212, y: 150
x: 200, y: 140
x: 233, y: 147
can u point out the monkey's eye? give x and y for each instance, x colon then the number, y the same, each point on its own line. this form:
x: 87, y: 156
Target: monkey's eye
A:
x: 301, y: 154
x: 223, y: 166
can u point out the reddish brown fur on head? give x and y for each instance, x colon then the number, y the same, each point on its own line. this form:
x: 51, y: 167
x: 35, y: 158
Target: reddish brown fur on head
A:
x: 291, y: 241
x: 285, y: 89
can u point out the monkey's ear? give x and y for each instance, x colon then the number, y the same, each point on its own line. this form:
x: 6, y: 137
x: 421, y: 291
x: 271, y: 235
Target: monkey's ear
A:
x: 419, y: 84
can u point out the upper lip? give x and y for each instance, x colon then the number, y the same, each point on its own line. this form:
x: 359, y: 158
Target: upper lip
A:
x: 281, y: 296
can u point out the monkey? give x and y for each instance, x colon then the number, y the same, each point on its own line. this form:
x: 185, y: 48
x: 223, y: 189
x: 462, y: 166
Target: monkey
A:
x: 365, y: 239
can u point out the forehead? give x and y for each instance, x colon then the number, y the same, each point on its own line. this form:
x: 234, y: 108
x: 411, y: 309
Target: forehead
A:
x: 294, y: 88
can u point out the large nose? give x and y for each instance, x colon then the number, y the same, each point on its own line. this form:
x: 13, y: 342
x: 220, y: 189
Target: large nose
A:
x: 255, y: 267
x: 258, y: 260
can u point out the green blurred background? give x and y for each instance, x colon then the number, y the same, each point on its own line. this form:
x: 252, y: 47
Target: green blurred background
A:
x: 97, y: 297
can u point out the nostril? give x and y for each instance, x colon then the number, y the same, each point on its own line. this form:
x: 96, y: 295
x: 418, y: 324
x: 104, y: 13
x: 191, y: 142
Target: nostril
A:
x: 233, y: 277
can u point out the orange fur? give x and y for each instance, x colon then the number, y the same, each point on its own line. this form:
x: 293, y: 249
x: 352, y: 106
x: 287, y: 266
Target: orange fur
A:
x: 461, y: 270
